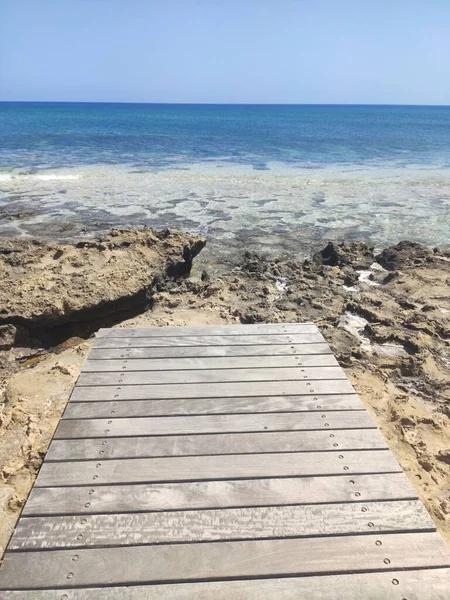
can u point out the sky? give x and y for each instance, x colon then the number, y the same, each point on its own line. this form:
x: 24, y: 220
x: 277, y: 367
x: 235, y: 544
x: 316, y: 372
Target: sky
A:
x: 226, y: 51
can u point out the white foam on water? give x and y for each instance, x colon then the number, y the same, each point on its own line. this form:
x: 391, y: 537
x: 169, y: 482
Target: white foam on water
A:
x: 54, y: 177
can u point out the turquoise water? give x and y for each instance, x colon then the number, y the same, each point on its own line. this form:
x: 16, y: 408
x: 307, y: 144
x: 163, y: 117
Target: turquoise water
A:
x: 275, y: 178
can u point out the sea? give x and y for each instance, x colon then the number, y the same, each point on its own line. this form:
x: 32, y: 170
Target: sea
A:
x: 273, y: 179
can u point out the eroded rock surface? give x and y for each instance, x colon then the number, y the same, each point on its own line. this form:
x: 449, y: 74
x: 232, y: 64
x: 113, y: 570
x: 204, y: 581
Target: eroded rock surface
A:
x: 43, y: 285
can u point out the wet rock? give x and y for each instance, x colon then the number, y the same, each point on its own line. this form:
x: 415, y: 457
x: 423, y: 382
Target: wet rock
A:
x: 404, y: 255
x: 344, y: 253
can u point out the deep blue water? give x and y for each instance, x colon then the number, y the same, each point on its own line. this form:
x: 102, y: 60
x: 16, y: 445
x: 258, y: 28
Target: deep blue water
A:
x: 42, y: 135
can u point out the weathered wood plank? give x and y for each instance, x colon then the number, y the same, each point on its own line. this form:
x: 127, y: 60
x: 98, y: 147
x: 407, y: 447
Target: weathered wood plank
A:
x: 220, y: 524
x: 225, y: 443
x: 200, y: 561
x: 208, y: 351
x: 209, y: 340
x: 218, y: 494
x: 224, y: 362
x: 198, y: 468
x: 297, y: 373
x: 87, y: 428
x: 426, y: 584
x: 210, y: 390
x: 208, y: 406
x: 234, y: 329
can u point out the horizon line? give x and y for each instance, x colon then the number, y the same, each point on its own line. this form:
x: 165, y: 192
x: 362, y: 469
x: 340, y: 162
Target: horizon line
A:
x: 221, y: 103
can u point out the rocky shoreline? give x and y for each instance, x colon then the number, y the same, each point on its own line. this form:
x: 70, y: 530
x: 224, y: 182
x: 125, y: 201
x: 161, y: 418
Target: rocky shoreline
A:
x: 386, y: 317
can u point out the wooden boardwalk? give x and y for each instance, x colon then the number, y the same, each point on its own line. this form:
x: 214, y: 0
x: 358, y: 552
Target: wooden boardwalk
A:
x: 231, y: 462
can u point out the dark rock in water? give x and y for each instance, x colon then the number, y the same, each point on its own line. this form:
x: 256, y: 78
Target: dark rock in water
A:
x: 404, y: 255
x: 356, y: 254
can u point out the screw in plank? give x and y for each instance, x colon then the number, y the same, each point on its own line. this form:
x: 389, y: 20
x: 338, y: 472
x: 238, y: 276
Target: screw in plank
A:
x: 370, y: 524
x: 87, y: 505
x: 364, y: 509
x: 341, y: 456
x: 346, y: 468
x: 326, y: 424
x: 64, y: 597
x: 312, y: 391
x: 98, y: 465
x: 319, y: 406
x: 331, y: 434
x: 357, y: 494
x: 69, y: 575
x: 378, y: 543
x: 95, y: 477
x: 91, y: 492
x: 386, y: 561
x: 83, y: 521
x: 395, y: 581
x: 80, y: 536
x: 75, y: 557
x: 104, y: 443
x: 324, y: 416
x: 336, y: 445
x: 102, y: 452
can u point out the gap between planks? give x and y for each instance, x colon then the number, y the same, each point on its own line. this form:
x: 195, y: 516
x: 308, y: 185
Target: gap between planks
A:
x: 423, y: 584
x: 209, y: 444
x: 211, y: 467
x: 208, y: 560
x: 207, y: 525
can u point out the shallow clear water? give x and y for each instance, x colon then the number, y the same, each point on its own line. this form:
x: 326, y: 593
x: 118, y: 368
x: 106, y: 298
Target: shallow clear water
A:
x: 274, y: 178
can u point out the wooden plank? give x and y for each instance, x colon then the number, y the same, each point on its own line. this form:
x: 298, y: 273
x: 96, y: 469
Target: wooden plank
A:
x: 297, y: 373
x: 225, y: 443
x: 234, y: 329
x: 209, y: 340
x: 423, y: 584
x: 220, y: 524
x: 87, y: 428
x: 199, y: 468
x: 218, y: 494
x: 267, y: 404
x: 225, y: 362
x: 200, y: 561
x: 209, y: 351
x: 210, y: 390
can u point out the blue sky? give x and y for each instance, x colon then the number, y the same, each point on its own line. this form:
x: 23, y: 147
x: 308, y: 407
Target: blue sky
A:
x: 249, y: 51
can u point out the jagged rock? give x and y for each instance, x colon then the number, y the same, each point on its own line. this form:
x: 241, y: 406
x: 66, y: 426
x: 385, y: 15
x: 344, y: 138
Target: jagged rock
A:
x: 44, y: 286
x: 404, y: 255
x: 357, y: 254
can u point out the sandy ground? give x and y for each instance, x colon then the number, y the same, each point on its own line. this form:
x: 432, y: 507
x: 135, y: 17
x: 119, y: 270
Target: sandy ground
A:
x: 387, y: 322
